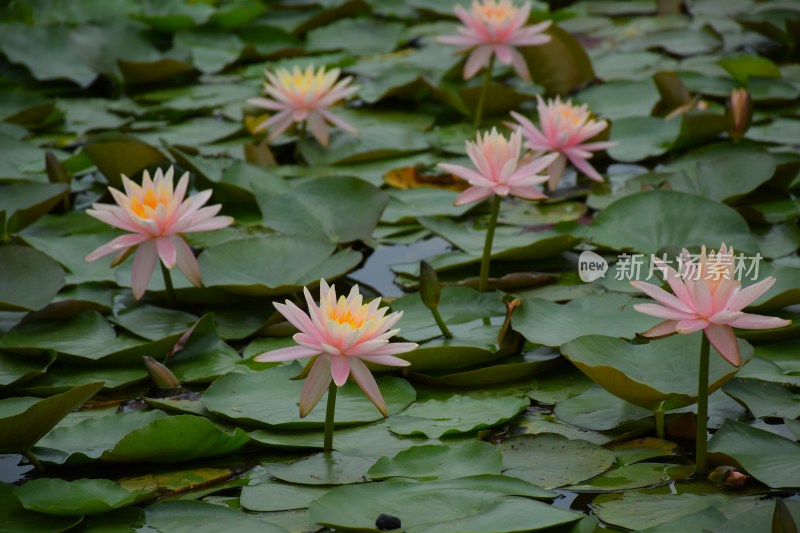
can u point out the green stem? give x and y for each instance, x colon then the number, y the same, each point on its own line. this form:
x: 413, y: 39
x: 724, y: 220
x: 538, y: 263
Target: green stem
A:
x: 487, y: 77
x: 330, y: 410
x: 168, y: 285
x: 300, y: 136
x: 34, y: 461
x: 660, y: 433
x: 702, y: 409
x: 483, y: 281
x: 439, y: 322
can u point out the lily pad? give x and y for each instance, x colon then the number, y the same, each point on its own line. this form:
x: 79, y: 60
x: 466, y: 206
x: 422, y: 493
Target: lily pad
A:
x: 552, y: 324
x: 28, y: 279
x: 459, y: 413
x: 431, y: 462
x: 73, y: 498
x: 464, y: 504
x: 314, y: 209
x: 764, y: 399
x: 639, y: 138
x: 266, y: 266
x: 635, y: 476
x: 333, y: 468
x: 26, y: 420
x: 23, y: 203
x: 199, y: 517
x: 17, y: 518
x: 711, y: 223
x: 658, y: 375
x: 598, y: 410
x: 552, y: 460
x: 241, y: 397
x: 769, y: 458
x: 271, y: 495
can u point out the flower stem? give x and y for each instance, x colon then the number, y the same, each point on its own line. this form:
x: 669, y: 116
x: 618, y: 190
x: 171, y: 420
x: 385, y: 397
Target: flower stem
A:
x: 34, y: 461
x: 330, y: 410
x: 702, y: 409
x: 487, y: 77
x: 439, y: 322
x: 168, y: 285
x: 483, y: 281
x: 660, y: 433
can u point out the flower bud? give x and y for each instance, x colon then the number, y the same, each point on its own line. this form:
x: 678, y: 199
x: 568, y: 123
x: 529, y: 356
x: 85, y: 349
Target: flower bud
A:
x: 429, y: 288
x: 162, y: 376
x: 727, y: 477
x: 738, y: 113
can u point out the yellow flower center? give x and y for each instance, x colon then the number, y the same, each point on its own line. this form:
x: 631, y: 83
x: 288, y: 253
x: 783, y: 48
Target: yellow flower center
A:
x: 497, y: 12
x: 346, y: 317
x: 150, y: 200
x: 301, y: 82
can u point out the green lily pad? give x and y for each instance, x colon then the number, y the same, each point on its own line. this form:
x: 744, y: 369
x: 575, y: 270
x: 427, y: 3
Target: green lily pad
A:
x: 28, y: 279
x: 61, y: 377
x: 73, y: 498
x: 639, y: 138
x: 334, y: 468
x: 618, y: 100
x: 23, y: 203
x: 314, y: 209
x: 598, y: 410
x: 764, y: 399
x: 199, y: 517
x: 642, y: 449
x: 552, y: 460
x: 238, y: 266
x: 374, y: 36
x: 26, y: 420
x: 459, y: 413
x: 511, y: 368
x: 117, y: 153
x: 552, y: 324
x: 659, y: 224
x: 409, y: 204
x: 635, y: 476
x: 769, y: 458
x: 466, y: 504
x: 242, y: 397
x: 17, y: 518
x: 154, y: 323
x: 15, y: 369
x: 150, y: 436
x: 658, y: 375
x: 559, y: 65
x: 271, y: 495
x: 431, y: 462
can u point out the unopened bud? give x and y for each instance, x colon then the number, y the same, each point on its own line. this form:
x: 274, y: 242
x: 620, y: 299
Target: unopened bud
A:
x: 162, y: 376
x: 727, y: 477
x: 738, y: 113
x: 429, y: 288
x: 511, y: 306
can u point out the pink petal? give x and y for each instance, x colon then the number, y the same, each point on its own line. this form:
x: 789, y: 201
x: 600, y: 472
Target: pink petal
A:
x: 748, y: 295
x: 285, y: 354
x: 503, y: 53
x: 120, y: 243
x: 143, y: 264
x: 700, y: 295
x: 477, y: 59
x: 387, y: 360
x: 660, y: 295
x: 317, y: 382
x: 167, y: 251
x: 366, y: 381
x: 458, y: 40
x: 725, y: 317
x: 584, y: 166
x: 210, y: 225
x: 750, y: 321
x: 520, y: 65
x: 474, y: 178
x: 394, y: 348
x: 318, y: 128
x: 663, y: 312
x: 723, y: 339
x: 529, y: 193
x: 340, y: 369
x: 691, y: 325
x: 266, y: 104
x: 555, y: 171
x: 186, y: 261
x: 296, y: 317
x: 473, y: 194
x: 662, y: 329
x: 338, y: 122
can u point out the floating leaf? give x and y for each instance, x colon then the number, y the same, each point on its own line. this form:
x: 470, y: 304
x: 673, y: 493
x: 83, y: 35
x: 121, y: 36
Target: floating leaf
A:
x: 635, y: 476
x: 241, y: 397
x: 658, y: 375
x: 273, y: 495
x: 551, y: 460
x: 431, y: 462
x: 28, y: 279
x: 73, y: 498
x: 17, y: 518
x: 559, y: 65
x: 638, y: 138
x: 330, y: 468
x: 764, y: 399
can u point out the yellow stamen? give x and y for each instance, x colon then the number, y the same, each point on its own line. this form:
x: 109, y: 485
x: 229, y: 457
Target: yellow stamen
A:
x: 346, y: 318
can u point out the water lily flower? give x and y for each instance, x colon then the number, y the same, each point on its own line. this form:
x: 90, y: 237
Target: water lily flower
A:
x: 340, y: 334
x: 706, y: 297
x: 304, y: 96
x: 156, y: 215
x: 564, y: 130
x: 500, y: 169
x: 496, y: 28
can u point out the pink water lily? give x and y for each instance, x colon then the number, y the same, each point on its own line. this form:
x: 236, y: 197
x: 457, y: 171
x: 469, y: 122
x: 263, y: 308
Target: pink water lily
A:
x: 565, y: 128
x: 706, y: 297
x: 304, y: 96
x: 496, y: 27
x: 157, y: 216
x: 341, y: 334
x: 499, y: 169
